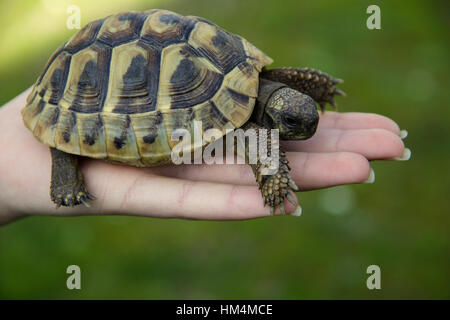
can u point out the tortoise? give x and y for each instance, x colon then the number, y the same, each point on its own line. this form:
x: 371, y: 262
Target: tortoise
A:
x: 121, y: 85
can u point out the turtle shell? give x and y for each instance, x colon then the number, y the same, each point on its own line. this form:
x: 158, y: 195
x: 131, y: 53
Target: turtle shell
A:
x: 121, y: 85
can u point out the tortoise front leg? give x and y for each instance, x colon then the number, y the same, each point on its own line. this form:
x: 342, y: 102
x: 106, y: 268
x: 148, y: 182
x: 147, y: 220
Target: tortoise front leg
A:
x: 316, y: 84
x: 277, y: 186
x: 67, y: 186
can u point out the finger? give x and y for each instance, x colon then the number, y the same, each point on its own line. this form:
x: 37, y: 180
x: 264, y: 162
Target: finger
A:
x: 357, y: 120
x: 309, y: 170
x: 321, y: 170
x: 133, y: 191
x: 374, y: 144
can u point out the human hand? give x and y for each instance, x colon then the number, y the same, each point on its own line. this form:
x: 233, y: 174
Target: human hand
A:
x: 339, y: 153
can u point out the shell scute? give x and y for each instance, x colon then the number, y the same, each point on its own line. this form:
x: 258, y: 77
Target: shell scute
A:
x: 87, y: 83
x: 163, y: 27
x: 151, y: 138
x: 66, y: 133
x: 45, y: 127
x: 54, y: 80
x: 120, y: 139
x: 121, y: 28
x: 133, y: 80
x: 185, y: 79
x: 85, y: 37
x: 222, y: 48
x: 91, y: 135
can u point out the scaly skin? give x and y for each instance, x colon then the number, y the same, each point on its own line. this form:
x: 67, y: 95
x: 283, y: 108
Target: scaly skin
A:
x: 314, y: 83
x: 278, y: 186
x: 67, y: 186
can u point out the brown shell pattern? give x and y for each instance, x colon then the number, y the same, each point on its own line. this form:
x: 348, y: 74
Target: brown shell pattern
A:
x: 121, y: 85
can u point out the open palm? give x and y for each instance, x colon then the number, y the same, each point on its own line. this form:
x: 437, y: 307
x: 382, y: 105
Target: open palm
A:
x: 339, y: 153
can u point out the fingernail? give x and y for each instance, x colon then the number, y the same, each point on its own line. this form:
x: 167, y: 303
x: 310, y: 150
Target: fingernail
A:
x: 297, y: 212
x: 405, y: 156
x: 403, y: 134
x: 371, y: 178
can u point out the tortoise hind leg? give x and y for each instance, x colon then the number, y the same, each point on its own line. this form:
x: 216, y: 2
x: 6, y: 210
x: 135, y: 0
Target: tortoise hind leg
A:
x: 67, y: 186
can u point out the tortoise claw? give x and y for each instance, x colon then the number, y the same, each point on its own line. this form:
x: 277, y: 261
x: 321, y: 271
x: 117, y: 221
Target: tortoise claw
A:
x: 69, y: 202
x: 333, y: 103
x: 291, y: 199
x: 272, y: 211
x: 333, y: 91
x: 282, y: 209
x: 58, y: 203
x: 83, y: 201
x: 71, y: 196
x: 293, y: 185
x: 322, y: 106
x: 90, y: 196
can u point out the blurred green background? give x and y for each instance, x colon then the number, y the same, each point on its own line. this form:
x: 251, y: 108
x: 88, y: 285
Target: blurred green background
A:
x: 400, y: 222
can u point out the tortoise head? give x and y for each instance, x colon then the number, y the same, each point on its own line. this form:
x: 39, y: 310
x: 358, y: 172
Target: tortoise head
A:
x: 293, y: 113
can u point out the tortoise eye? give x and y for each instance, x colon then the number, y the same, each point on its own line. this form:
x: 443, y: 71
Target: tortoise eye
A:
x: 290, y: 121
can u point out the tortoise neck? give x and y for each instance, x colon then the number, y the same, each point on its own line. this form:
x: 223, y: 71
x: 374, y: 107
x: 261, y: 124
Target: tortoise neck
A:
x: 266, y: 89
